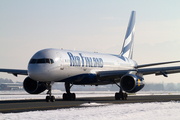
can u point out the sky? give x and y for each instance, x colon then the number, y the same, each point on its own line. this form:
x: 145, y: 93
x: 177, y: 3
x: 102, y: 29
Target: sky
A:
x: 27, y: 26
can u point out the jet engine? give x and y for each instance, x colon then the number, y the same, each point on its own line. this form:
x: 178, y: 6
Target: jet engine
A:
x: 131, y: 83
x: 33, y: 87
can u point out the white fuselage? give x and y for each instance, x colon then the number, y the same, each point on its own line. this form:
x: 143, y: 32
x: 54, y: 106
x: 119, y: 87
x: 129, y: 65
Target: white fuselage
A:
x: 60, y: 65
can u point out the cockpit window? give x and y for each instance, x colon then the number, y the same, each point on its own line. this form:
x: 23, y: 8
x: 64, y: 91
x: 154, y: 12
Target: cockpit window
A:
x: 40, y: 60
x: 52, y: 61
x: 47, y: 61
x: 43, y: 60
x: 33, y: 61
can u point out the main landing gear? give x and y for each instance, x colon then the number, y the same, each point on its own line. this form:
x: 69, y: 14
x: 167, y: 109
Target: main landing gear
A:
x: 50, y: 97
x: 68, y: 95
x: 120, y: 95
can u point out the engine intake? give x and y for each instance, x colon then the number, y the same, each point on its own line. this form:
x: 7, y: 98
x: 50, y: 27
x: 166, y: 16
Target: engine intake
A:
x: 33, y: 87
x: 131, y: 83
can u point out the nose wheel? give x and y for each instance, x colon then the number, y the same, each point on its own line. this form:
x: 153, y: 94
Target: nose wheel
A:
x: 49, y: 98
x: 68, y: 95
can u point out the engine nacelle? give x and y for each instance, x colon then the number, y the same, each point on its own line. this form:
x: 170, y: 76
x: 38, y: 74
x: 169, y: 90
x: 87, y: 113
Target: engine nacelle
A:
x: 131, y: 83
x: 33, y: 87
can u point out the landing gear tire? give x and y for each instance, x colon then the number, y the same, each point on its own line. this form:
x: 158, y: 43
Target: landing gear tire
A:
x: 125, y: 96
x: 70, y: 96
x: 47, y: 98
x: 52, y: 99
x: 119, y: 96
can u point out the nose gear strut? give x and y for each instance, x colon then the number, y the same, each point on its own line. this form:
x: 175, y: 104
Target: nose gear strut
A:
x: 50, y: 97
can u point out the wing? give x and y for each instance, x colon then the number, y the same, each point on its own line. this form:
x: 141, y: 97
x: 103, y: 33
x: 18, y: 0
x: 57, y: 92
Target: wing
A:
x: 15, y: 72
x: 103, y: 75
x: 153, y: 64
x: 106, y: 75
x: 159, y: 71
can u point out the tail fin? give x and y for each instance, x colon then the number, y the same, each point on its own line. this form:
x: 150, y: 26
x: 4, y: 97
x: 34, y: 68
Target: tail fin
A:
x: 127, y: 50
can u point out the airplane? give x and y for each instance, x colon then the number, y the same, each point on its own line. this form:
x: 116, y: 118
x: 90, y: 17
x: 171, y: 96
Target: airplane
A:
x: 87, y: 68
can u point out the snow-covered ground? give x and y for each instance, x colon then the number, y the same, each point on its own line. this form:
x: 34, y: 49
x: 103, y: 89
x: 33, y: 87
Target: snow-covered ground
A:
x: 137, y: 111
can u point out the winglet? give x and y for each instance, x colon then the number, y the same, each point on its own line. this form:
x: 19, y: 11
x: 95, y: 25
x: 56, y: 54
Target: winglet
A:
x: 127, y: 49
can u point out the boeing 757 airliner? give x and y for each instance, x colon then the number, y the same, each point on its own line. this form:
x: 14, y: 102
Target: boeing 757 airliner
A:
x: 85, y: 68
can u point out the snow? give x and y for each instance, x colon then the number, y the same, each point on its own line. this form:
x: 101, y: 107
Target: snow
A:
x: 137, y: 111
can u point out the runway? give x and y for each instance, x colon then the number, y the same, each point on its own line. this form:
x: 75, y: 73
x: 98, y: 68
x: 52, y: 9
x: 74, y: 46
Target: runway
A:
x: 40, y: 104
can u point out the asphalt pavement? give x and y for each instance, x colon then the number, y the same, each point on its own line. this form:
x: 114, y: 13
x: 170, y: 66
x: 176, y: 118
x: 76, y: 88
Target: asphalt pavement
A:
x: 8, y: 106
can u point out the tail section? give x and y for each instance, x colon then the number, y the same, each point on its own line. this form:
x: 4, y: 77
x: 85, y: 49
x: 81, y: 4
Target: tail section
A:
x: 127, y: 50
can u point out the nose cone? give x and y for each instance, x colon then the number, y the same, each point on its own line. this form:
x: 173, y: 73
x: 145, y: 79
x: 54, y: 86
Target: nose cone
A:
x: 41, y: 63
x: 37, y: 72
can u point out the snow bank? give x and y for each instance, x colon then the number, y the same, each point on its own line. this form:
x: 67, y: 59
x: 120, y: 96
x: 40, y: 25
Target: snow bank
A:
x: 137, y: 111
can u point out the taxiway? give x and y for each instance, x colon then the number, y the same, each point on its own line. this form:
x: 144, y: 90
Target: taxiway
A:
x: 7, y: 106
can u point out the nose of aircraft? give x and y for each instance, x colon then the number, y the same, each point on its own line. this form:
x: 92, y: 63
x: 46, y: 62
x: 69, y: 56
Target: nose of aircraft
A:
x: 39, y: 65
x: 37, y: 72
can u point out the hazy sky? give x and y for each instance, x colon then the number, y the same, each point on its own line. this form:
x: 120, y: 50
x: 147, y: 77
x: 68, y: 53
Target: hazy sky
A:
x: 27, y: 26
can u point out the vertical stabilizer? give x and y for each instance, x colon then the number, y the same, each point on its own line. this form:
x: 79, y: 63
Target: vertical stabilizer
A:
x: 127, y: 49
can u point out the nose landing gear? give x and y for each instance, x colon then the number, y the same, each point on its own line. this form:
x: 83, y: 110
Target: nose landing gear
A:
x: 50, y: 97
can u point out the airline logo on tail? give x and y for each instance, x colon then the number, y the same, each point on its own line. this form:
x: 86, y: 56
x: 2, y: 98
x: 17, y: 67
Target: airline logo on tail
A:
x: 127, y: 50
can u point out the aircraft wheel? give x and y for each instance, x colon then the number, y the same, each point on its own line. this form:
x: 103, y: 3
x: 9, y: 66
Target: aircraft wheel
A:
x: 52, y: 99
x: 73, y: 96
x: 122, y: 96
x: 64, y: 96
x: 47, y: 98
x: 125, y: 96
x: 117, y: 96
